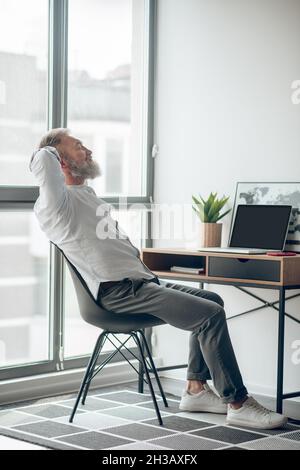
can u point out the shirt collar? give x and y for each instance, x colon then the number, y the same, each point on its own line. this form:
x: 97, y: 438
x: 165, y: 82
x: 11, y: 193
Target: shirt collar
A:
x: 77, y: 185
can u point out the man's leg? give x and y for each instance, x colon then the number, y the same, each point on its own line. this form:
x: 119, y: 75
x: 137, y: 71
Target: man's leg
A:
x: 197, y: 371
x: 188, y: 312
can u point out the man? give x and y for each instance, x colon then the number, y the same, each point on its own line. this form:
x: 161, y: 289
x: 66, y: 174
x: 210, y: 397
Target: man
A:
x: 70, y: 213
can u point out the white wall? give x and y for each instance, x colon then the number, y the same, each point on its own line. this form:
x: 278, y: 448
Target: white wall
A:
x: 224, y: 114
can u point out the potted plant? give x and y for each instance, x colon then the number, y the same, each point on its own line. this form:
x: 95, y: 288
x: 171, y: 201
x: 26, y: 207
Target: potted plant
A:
x: 209, y: 213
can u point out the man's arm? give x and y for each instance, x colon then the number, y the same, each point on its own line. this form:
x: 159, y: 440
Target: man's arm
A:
x: 45, y: 165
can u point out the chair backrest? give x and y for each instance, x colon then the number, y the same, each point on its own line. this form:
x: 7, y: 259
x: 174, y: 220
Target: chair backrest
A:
x: 92, y: 312
x: 89, y: 309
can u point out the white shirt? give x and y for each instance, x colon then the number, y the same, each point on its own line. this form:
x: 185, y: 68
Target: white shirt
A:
x: 67, y: 215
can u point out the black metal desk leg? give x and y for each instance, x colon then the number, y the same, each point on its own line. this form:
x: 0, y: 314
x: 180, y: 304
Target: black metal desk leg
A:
x: 280, y: 357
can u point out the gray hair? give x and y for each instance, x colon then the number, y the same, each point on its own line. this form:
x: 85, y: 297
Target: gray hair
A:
x: 53, y: 137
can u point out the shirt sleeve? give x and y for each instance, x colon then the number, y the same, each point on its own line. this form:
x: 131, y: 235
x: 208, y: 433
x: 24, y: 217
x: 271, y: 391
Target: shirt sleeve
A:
x: 45, y: 165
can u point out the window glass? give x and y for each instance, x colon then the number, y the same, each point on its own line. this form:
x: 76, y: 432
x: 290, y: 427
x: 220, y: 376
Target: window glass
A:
x: 24, y: 290
x: 106, y: 89
x: 23, y: 86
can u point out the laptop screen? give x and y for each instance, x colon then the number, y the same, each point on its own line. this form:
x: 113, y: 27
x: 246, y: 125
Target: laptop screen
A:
x: 260, y: 226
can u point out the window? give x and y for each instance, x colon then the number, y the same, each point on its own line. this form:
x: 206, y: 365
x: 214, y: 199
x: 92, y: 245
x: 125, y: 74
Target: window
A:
x: 102, y: 96
x: 23, y: 85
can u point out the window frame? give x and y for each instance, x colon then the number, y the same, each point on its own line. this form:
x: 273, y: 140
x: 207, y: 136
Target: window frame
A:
x: 18, y: 198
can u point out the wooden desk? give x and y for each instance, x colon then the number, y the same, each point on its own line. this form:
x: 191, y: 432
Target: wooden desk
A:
x: 261, y: 271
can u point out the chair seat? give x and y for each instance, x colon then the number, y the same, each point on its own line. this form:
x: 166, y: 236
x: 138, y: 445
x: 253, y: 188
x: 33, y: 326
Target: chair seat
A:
x: 122, y: 322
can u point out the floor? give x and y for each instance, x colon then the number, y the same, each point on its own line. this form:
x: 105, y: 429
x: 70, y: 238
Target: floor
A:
x: 8, y: 443
x: 120, y: 418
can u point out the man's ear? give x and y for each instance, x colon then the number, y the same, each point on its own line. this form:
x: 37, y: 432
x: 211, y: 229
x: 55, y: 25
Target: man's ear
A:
x: 62, y: 162
x: 62, y: 156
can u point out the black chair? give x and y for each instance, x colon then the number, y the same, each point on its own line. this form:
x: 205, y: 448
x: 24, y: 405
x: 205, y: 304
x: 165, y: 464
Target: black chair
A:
x: 112, y: 323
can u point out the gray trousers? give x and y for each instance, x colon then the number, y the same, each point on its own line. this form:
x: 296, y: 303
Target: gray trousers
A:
x: 199, y: 311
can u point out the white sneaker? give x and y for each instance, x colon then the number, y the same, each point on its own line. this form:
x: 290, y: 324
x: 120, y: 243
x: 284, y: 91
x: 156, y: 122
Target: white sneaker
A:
x: 204, y: 401
x: 254, y: 415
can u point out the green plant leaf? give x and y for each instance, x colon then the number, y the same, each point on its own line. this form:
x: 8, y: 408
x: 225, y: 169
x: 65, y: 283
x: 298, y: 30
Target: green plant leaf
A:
x: 223, y: 215
x: 221, y: 203
x: 197, y: 201
x: 208, y: 205
x: 214, y: 209
x: 203, y: 201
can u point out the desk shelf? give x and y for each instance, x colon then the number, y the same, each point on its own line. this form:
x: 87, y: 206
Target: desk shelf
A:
x: 224, y: 267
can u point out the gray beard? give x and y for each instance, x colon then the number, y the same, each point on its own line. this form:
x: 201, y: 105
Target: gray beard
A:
x: 87, y: 170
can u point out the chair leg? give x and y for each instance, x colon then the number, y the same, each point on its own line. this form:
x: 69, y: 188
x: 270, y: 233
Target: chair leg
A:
x: 92, y: 368
x: 87, y: 373
x: 141, y: 374
x: 154, y: 369
x: 148, y: 378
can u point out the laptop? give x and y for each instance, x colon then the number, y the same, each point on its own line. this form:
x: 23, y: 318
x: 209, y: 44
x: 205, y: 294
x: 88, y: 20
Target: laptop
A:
x: 257, y: 229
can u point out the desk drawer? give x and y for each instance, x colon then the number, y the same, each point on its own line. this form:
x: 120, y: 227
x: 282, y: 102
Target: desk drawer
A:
x: 244, y: 268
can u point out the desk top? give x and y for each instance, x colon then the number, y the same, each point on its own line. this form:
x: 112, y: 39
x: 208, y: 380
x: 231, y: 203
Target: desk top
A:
x: 194, y: 252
